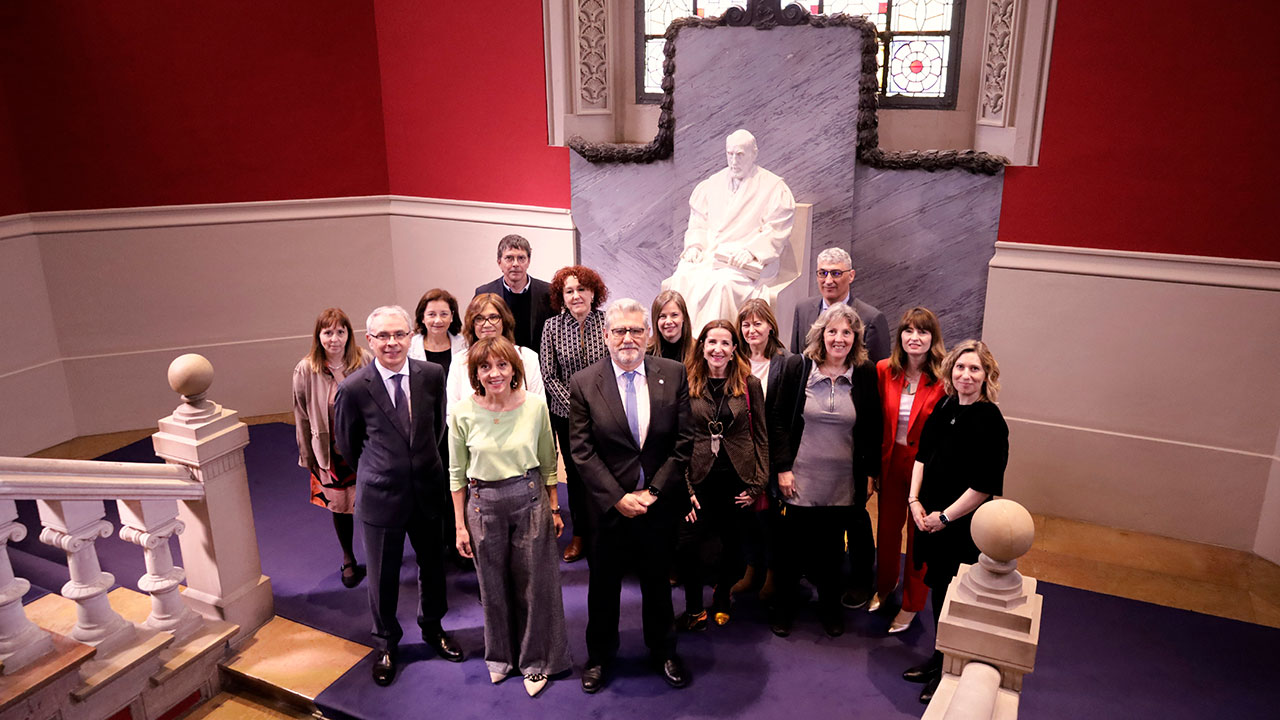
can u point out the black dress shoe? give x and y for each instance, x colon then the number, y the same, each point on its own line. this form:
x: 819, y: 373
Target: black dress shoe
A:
x: 444, y: 645
x: 674, y: 672
x: 855, y: 598
x: 925, y: 671
x: 384, y: 670
x: 352, y: 580
x: 929, y: 689
x: 780, y: 623
x: 592, y: 679
x: 833, y: 625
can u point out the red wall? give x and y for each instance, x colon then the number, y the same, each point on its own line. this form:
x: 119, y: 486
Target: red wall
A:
x: 13, y: 197
x: 1163, y: 140
x: 464, y: 101
x: 133, y: 102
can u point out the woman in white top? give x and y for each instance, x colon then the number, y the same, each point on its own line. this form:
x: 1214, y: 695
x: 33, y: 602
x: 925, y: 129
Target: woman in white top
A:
x: 438, y: 326
x: 759, y: 328
x: 488, y: 316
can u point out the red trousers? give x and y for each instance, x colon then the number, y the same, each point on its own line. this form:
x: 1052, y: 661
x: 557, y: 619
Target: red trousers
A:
x: 895, y: 483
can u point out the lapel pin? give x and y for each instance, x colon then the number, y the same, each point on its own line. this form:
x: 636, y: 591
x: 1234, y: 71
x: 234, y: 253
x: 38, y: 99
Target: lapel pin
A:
x: 661, y: 381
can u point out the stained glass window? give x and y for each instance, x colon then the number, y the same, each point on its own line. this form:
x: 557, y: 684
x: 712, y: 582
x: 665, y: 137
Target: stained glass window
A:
x: 919, y: 43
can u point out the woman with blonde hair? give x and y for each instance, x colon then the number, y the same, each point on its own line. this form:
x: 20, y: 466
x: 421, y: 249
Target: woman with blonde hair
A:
x: 500, y: 446
x: 829, y: 451
x: 334, y: 355
x: 964, y: 449
x: 728, y: 469
x: 910, y: 386
x: 673, y: 335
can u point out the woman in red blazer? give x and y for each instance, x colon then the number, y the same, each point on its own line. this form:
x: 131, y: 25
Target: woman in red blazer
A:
x: 910, y: 386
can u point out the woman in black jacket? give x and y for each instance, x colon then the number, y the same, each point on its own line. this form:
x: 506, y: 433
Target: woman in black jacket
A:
x: 827, y: 456
x: 727, y: 472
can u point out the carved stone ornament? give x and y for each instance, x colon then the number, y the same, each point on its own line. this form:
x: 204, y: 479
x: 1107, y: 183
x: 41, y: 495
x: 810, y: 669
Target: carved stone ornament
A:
x: 997, y: 59
x: 765, y: 14
x: 593, y: 83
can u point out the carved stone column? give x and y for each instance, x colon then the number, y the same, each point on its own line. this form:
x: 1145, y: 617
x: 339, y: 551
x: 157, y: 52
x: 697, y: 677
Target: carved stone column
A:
x: 21, y: 641
x: 220, y: 544
x: 74, y: 526
x: 150, y: 524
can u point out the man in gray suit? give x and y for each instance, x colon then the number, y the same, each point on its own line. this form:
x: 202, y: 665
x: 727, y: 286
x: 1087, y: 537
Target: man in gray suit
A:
x: 835, y: 275
x: 388, y: 422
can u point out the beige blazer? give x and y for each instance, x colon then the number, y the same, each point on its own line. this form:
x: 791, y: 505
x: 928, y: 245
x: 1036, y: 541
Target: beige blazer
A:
x: 312, y: 406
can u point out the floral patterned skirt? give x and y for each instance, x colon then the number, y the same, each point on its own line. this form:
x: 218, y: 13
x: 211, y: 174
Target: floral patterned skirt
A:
x: 337, y: 490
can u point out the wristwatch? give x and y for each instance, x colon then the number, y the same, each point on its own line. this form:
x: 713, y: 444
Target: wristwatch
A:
x: 943, y: 517
x: 652, y: 491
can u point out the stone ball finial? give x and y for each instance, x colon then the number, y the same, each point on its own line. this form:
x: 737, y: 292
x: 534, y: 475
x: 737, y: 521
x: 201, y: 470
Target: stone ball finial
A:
x: 190, y: 375
x: 1003, y: 530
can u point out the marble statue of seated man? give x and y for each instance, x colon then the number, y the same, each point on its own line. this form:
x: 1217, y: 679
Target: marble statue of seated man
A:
x: 739, y: 222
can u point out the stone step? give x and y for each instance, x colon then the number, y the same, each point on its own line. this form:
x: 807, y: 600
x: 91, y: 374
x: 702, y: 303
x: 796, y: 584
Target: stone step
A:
x: 291, y: 663
x: 28, y: 692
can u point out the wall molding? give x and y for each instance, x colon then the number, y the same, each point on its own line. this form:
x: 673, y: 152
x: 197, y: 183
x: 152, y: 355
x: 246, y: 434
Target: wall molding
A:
x: 1156, y: 267
x: 164, y: 216
x: 1143, y: 438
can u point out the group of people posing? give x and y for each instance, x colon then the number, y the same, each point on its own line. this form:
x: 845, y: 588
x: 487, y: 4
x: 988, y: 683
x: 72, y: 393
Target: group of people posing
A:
x: 713, y: 456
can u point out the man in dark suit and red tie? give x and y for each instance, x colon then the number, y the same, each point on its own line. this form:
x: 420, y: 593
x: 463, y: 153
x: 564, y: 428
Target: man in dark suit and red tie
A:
x: 630, y: 433
x: 388, y: 422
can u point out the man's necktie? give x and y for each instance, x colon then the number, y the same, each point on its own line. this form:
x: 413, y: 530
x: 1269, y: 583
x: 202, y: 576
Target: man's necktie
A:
x: 402, y: 402
x: 633, y: 414
x: 630, y: 405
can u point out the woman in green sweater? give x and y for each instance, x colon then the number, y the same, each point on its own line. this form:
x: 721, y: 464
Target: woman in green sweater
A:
x: 500, y: 447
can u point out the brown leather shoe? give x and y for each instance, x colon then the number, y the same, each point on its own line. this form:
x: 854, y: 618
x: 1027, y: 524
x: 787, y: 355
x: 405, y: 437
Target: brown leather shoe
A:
x: 573, y: 553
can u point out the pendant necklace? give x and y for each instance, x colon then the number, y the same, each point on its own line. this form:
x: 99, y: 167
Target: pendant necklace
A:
x: 714, y: 426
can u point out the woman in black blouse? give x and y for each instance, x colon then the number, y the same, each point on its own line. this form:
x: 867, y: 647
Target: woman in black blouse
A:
x: 728, y: 469
x: 960, y: 465
x: 672, y: 335
x: 571, y: 341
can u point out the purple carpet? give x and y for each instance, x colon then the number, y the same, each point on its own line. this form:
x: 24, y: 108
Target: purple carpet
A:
x: 1100, y: 656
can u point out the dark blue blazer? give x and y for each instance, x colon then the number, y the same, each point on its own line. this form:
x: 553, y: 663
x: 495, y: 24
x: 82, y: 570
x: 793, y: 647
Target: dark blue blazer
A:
x: 607, y: 456
x: 398, y: 471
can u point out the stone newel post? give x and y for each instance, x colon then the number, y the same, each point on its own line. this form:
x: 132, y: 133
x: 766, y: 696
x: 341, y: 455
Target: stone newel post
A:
x: 220, y: 544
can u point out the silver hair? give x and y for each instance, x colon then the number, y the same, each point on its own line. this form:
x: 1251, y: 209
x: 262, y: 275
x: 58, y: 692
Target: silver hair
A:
x: 388, y: 310
x: 624, y: 305
x: 834, y: 256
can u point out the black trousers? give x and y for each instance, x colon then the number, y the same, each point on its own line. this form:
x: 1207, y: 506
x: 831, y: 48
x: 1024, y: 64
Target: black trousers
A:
x: 384, y: 548
x: 644, y: 543
x: 862, y: 547
x: 812, y: 545
x: 712, y: 548
x: 577, y: 491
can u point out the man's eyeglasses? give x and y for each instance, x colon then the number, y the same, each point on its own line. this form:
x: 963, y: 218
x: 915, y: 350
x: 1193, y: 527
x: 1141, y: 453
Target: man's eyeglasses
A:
x: 833, y: 274
x: 621, y: 332
x: 383, y: 337
x: 488, y: 320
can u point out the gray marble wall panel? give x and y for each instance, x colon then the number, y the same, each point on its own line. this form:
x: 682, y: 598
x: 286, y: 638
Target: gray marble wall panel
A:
x: 794, y: 88
x: 924, y: 238
x: 916, y: 237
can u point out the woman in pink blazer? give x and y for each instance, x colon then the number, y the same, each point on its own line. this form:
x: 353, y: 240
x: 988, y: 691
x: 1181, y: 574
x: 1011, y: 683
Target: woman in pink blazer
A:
x: 910, y: 386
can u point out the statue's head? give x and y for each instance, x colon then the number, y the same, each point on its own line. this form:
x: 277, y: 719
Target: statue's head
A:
x: 740, y: 149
